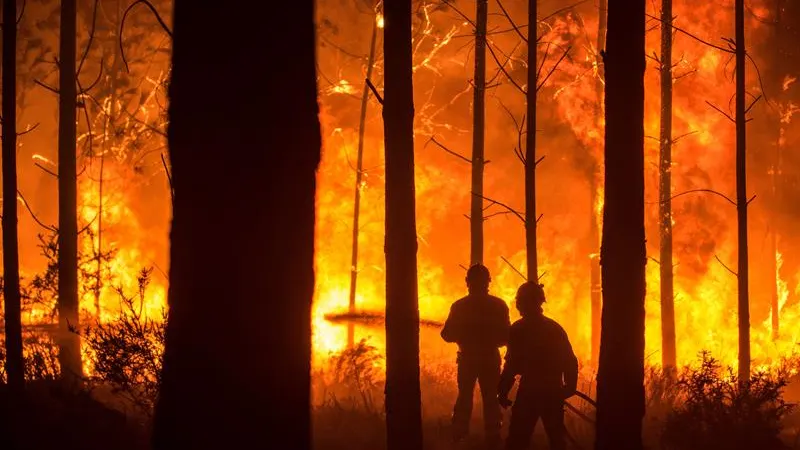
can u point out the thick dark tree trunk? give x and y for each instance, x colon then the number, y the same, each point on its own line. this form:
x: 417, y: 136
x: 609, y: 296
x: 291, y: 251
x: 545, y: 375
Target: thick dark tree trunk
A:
x: 238, y: 344
x: 668, y: 352
x: 594, y: 226
x: 530, y: 145
x: 620, y: 379
x: 403, y: 403
x: 741, y: 198
x: 15, y: 368
x: 478, y: 124
x: 69, y: 341
x: 362, y: 127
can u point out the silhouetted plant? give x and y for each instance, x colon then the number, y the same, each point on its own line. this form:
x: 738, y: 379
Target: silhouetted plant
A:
x: 126, y: 353
x: 718, y: 412
x: 357, y: 376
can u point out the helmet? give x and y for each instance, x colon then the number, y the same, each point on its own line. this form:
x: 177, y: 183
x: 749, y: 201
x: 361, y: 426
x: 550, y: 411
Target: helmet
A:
x: 530, y: 295
x: 478, y: 274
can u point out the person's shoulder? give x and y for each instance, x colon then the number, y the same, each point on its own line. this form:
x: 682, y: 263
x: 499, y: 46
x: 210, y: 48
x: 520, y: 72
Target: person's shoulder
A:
x: 499, y: 302
x: 554, y: 326
x: 459, y: 303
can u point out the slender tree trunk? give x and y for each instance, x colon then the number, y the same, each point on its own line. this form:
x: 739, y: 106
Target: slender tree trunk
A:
x: 238, y: 344
x: 70, y: 345
x: 594, y: 227
x: 668, y: 351
x: 403, y: 403
x: 741, y: 198
x: 530, y: 145
x: 359, y: 179
x: 478, y: 125
x: 15, y: 367
x: 620, y: 379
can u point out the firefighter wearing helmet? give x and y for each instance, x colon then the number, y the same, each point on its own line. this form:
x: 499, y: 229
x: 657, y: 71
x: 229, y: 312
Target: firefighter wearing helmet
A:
x: 479, y: 324
x: 539, y: 352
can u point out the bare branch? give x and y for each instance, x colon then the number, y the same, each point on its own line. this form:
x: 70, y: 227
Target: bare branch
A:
x: 451, y: 5
x: 683, y: 75
x: 510, y: 209
x: 560, y: 10
x: 502, y: 69
x: 28, y: 130
x: 750, y: 200
x: 46, y: 169
x: 514, y: 268
x: 495, y: 214
x: 553, y: 69
x: 91, y: 86
x: 36, y: 219
x: 503, y: 66
x: 89, y: 224
x: 91, y: 39
x: 464, y: 158
x: 51, y: 89
x: 676, y: 139
x: 169, y: 177
x: 578, y: 413
x: 758, y: 74
x: 374, y: 91
x: 726, y: 267
x: 122, y: 26
x: 511, y: 21
x: 22, y: 12
x: 709, y: 191
x: 721, y: 111
x: 520, y: 155
x: 722, y: 49
x: 747, y: 110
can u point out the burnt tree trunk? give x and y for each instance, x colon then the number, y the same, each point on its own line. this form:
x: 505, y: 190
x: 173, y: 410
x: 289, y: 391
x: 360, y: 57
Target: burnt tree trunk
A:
x: 69, y: 356
x: 594, y: 225
x: 478, y: 125
x: 362, y: 126
x: 620, y: 378
x: 668, y: 352
x: 15, y: 367
x: 403, y: 403
x: 741, y: 198
x: 530, y: 145
x: 249, y: 379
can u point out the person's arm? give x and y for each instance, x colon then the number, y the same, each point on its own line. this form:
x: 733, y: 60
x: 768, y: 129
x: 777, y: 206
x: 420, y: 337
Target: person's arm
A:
x: 450, y: 332
x: 570, y: 368
x: 510, y: 369
x: 504, y: 327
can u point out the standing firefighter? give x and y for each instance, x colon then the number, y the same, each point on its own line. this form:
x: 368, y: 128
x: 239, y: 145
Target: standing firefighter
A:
x: 479, y: 324
x: 539, y: 351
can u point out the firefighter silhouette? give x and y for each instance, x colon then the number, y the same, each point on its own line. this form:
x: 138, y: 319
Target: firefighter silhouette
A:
x: 539, y: 352
x: 479, y: 324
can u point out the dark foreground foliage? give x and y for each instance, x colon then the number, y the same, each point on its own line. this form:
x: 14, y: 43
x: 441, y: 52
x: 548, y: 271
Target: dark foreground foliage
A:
x: 51, y: 418
x: 718, y: 412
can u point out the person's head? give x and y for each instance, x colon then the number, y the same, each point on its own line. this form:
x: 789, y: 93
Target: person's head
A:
x: 530, y: 297
x: 478, y: 279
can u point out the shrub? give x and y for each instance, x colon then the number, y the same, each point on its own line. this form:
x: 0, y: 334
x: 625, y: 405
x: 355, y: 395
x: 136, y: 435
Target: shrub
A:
x: 718, y: 412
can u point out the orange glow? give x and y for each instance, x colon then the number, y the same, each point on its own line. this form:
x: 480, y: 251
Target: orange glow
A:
x: 570, y: 134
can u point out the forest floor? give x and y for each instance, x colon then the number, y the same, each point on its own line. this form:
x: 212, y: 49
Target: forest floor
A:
x: 700, y: 409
